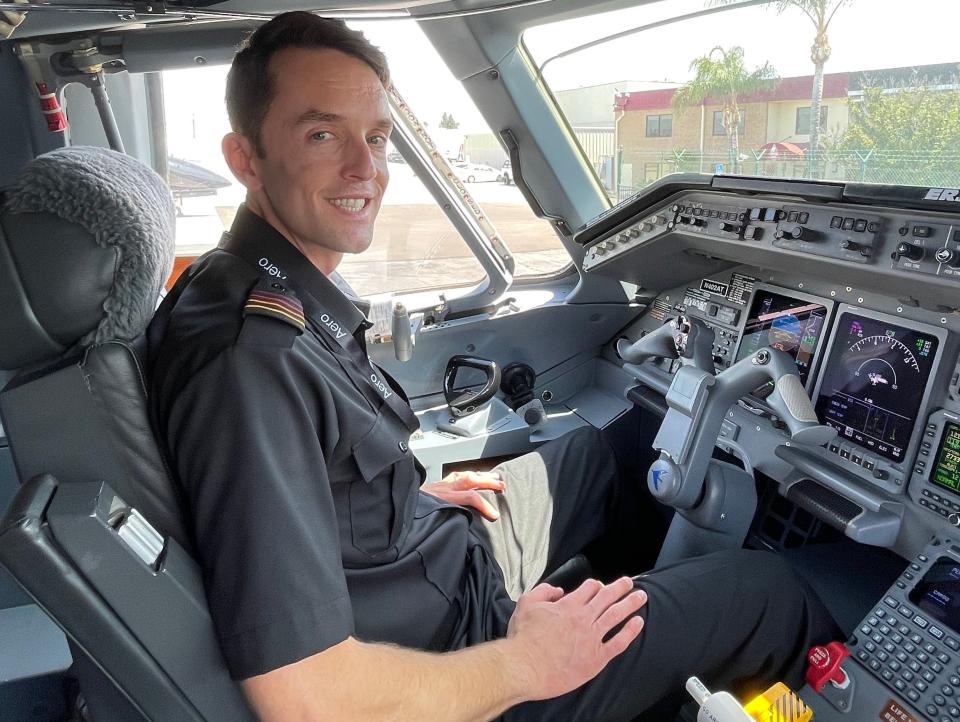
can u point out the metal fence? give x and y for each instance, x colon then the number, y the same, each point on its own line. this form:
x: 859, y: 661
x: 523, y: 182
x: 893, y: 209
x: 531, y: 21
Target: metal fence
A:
x: 932, y: 169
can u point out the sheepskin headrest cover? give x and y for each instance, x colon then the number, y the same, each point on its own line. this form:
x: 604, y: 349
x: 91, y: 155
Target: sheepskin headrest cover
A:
x: 86, y: 244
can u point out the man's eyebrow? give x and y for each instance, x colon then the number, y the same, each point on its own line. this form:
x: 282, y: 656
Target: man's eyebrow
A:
x: 318, y: 116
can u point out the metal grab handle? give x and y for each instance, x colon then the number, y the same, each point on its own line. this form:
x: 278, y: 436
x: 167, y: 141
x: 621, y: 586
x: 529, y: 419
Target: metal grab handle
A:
x: 464, y: 402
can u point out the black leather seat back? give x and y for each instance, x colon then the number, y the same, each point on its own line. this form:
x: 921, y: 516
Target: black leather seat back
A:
x: 95, y: 534
x: 81, y: 270
x: 102, y: 432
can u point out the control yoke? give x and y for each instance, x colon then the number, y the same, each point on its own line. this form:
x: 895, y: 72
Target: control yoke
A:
x: 680, y: 337
x: 698, y: 401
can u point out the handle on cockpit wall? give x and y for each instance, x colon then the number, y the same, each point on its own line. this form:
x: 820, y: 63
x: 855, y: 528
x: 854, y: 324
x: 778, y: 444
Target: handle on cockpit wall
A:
x: 463, y: 402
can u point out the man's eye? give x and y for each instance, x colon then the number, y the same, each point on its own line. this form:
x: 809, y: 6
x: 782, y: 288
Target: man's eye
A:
x: 377, y: 140
x: 320, y: 135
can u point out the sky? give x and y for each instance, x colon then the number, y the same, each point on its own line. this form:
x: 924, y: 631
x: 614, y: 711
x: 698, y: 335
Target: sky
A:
x: 864, y: 35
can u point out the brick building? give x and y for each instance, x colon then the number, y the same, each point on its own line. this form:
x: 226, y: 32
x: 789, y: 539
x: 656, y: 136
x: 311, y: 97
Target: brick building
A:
x: 657, y: 138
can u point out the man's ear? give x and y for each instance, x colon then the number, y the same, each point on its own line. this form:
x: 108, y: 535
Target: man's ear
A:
x: 239, y: 153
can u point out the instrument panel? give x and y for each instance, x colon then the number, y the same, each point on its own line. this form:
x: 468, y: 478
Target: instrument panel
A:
x: 871, y: 321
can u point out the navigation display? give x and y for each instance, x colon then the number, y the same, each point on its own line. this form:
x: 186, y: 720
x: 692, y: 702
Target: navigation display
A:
x: 946, y: 472
x: 789, y: 324
x: 938, y: 593
x: 874, y: 381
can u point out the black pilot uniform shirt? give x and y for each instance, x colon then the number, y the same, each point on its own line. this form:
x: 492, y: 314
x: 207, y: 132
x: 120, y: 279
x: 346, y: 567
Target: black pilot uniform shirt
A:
x: 291, y: 452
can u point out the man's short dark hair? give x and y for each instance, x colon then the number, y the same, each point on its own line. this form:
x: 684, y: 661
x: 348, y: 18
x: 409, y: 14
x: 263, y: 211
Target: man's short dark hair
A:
x: 250, y: 87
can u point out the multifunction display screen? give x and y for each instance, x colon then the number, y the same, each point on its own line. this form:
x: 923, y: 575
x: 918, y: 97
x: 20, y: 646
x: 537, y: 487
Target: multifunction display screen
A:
x: 946, y: 472
x: 938, y: 593
x: 788, y: 324
x: 874, y: 381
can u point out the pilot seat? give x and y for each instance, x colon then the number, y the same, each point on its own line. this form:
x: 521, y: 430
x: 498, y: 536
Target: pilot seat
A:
x: 95, y: 534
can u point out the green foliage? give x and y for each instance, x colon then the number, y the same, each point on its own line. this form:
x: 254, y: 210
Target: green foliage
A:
x: 721, y: 76
x: 902, y: 135
x: 447, y: 121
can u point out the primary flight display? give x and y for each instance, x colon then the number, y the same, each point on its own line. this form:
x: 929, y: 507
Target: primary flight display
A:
x: 874, y: 381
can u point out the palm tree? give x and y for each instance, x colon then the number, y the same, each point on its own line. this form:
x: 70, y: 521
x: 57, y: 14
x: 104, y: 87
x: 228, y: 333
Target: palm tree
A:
x: 820, y: 13
x: 720, y: 75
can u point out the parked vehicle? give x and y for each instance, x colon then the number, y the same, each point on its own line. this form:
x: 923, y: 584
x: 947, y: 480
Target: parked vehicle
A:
x: 506, y: 172
x: 475, y: 172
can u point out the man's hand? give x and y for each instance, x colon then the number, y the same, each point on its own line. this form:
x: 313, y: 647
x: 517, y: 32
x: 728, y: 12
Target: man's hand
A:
x: 461, y: 488
x: 558, y: 638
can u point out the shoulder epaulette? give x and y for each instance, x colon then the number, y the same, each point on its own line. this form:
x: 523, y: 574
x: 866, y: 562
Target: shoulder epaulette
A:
x: 273, y: 300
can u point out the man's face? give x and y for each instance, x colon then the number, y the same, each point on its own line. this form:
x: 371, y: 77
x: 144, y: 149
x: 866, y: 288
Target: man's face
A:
x: 324, y: 140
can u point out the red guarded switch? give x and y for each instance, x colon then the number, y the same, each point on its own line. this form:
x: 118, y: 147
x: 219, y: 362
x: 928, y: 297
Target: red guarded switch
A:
x: 824, y: 666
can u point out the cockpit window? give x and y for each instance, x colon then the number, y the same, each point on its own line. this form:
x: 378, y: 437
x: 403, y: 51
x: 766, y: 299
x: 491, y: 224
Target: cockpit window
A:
x: 415, y: 245
x: 841, y: 90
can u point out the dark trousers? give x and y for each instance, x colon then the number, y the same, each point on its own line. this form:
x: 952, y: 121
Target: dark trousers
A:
x: 740, y: 620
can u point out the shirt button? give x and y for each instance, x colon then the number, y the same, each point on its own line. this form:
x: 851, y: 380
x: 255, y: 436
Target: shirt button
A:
x: 403, y: 446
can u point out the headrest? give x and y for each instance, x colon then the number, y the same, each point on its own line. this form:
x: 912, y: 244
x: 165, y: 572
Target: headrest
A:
x: 86, y: 244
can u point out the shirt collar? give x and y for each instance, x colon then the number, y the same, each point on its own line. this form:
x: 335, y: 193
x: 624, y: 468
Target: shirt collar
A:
x: 292, y: 264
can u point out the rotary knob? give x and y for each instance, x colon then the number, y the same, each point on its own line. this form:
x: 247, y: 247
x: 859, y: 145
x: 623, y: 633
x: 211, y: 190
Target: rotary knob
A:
x: 948, y: 257
x: 801, y: 233
x: 849, y: 245
x: 954, y: 519
x: 909, y: 251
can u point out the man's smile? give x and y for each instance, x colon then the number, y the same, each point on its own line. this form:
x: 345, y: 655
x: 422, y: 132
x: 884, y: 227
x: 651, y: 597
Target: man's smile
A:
x: 350, y: 205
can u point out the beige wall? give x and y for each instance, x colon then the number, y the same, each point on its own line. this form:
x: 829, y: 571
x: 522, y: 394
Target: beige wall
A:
x: 782, y: 119
x: 639, y: 149
x: 765, y: 123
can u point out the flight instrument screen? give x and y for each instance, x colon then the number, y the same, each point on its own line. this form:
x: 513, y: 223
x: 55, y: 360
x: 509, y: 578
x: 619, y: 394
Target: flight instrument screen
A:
x: 946, y: 472
x: 874, y: 381
x: 938, y: 593
x: 788, y: 324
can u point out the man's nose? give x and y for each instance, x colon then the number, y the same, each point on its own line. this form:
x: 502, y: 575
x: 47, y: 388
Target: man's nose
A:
x: 359, y: 162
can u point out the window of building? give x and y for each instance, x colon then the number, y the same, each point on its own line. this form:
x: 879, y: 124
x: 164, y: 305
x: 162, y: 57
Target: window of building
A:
x: 803, y: 119
x: 718, y: 123
x: 660, y: 126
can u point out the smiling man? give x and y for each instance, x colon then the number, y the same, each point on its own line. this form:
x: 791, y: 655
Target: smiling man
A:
x: 338, y: 588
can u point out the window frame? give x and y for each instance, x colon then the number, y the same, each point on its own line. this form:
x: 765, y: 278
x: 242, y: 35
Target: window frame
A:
x: 497, y: 264
x: 659, y: 117
x: 809, y: 108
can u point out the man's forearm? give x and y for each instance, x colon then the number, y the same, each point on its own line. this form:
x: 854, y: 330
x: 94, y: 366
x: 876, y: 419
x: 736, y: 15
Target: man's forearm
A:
x: 357, y: 680
x: 555, y: 643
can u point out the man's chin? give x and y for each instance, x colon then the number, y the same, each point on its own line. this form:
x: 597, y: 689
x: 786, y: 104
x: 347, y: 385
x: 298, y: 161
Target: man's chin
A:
x: 355, y: 246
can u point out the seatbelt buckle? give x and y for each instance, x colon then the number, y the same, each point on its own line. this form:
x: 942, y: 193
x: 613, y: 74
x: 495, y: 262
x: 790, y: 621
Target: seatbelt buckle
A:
x: 824, y: 665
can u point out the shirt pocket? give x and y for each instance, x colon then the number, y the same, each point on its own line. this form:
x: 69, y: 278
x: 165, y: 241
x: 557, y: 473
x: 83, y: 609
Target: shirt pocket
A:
x: 379, y: 498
